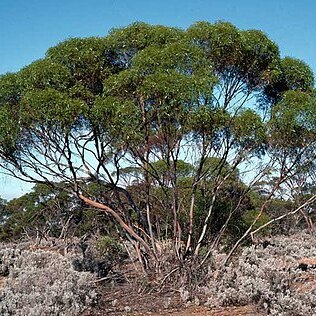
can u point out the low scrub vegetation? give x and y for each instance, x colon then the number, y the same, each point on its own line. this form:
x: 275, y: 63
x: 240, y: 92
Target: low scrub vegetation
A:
x: 273, y: 275
x: 41, y: 283
x: 278, y: 275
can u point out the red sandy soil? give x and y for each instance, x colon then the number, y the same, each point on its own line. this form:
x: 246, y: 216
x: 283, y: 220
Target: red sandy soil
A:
x: 125, y: 301
x: 204, y: 311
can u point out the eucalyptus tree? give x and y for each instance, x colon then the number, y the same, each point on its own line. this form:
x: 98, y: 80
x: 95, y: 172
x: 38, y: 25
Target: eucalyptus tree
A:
x: 158, y: 99
x: 49, y: 212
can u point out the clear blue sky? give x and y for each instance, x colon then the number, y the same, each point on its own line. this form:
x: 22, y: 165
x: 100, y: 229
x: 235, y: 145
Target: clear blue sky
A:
x: 29, y: 27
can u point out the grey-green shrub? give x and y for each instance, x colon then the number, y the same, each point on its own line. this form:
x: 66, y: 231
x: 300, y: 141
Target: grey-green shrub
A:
x: 267, y: 276
x: 43, y: 283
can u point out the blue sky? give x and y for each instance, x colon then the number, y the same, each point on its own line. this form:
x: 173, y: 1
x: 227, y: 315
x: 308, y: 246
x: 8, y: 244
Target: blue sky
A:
x: 29, y: 27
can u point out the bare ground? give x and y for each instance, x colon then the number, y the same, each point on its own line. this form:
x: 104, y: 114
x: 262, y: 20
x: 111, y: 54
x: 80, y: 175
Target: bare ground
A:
x: 124, y: 300
x: 204, y: 311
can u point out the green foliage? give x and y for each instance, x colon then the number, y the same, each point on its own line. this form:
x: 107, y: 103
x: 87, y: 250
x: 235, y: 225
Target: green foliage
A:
x: 297, y: 74
x: 259, y: 58
x: 109, y: 249
x: 248, y: 55
x: 220, y: 41
x: 206, y: 121
x: 250, y: 216
x: 48, y: 212
x: 249, y: 130
x: 161, y: 169
x: 278, y: 207
x: 139, y: 35
x: 49, y: 108
x: 293, y: 122
x: 178, y: 111
x: 44, y: 74
x: 165, y: 78
x: 292, y: 74
x: 213, y: 167
x: 109, y: 82
x: 10, y: 89
x: 10, y: 131
x: 84, y: 59
x: 117, y: 118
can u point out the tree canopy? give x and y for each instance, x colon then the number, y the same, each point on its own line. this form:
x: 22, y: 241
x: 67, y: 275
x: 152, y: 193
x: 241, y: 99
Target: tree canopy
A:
x: 189, y: 114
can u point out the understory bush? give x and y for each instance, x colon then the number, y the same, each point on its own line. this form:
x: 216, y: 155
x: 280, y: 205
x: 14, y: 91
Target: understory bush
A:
x: 100, y: 256
x: 270, y: 275
x: 42, y: 283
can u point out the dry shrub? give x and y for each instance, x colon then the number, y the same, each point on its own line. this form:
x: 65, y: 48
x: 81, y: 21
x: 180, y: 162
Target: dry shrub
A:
x: 42, y: 283
x: 269, y: 276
